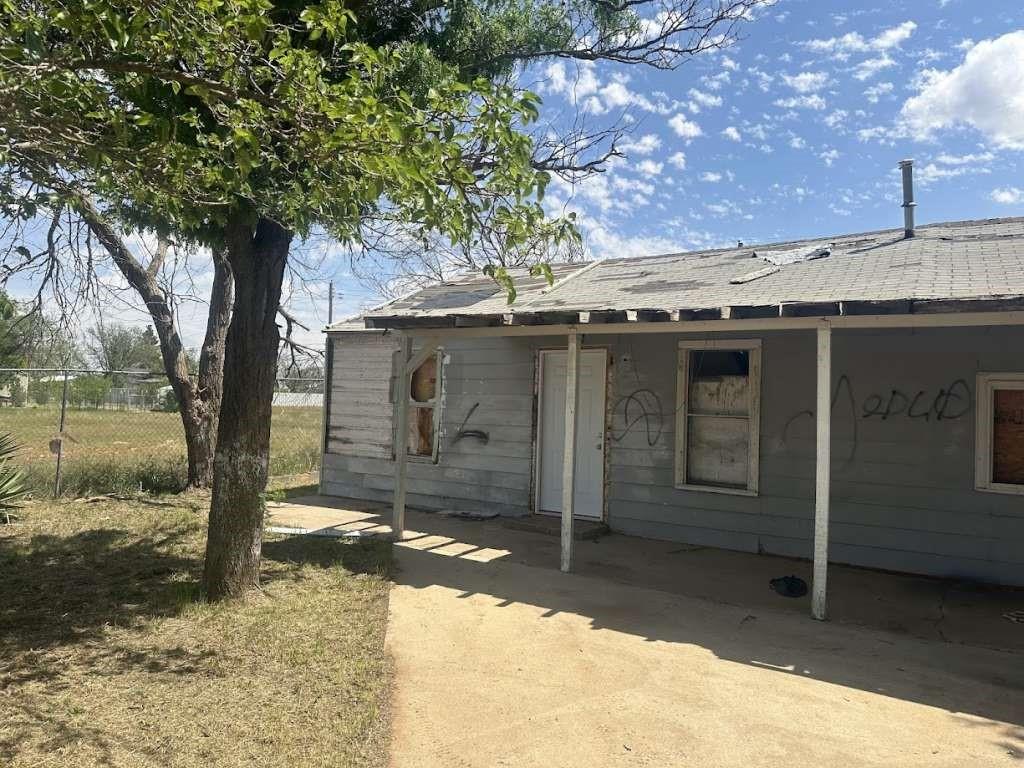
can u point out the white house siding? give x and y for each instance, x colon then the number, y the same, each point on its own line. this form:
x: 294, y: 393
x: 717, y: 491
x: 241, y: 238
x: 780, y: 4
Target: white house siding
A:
x: 903, y: 486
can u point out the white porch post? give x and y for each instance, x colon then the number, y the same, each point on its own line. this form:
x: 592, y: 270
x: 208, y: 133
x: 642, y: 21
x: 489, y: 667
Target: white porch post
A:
x: 572, y: 397
x: 401, y: 422
x: 823, y: 474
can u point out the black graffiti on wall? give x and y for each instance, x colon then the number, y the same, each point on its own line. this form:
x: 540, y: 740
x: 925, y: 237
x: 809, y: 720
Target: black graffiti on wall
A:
x: 950, y: 402
x: 640, y: 409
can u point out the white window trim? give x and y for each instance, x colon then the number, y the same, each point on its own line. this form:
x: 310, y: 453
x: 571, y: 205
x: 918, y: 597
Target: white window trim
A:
x: 753, y: 347
x: 987, y: 383
x: 437, y: 404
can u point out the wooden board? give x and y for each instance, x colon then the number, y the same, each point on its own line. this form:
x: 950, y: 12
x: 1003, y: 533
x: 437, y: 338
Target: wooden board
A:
x: 1008, y: 436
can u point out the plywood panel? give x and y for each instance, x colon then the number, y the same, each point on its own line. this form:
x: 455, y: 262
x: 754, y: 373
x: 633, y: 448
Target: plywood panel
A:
x: 1008, y: 436
x: 717, y: 451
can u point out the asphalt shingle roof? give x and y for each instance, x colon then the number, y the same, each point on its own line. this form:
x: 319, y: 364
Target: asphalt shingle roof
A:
x: 954, y: 261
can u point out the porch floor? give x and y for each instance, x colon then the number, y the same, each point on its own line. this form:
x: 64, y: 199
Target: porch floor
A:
x: 922, y: 607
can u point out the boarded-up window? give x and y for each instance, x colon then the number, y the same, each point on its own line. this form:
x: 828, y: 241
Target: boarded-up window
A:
x: 1001, y: 432
x: 717, y: 415
x: 423, y: 405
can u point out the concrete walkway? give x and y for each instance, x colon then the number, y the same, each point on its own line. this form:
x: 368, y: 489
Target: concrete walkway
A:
x: 503, y: 661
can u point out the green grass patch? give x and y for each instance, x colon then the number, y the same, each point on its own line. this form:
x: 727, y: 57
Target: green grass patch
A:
x: 108, y: 656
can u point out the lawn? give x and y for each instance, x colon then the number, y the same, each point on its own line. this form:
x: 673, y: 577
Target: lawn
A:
x: 121, y: 451
x: 108, y: 657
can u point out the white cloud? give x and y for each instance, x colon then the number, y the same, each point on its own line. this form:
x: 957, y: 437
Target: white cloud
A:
x: 807, y: 82
x: 797, y: 143
x: 836, y: 118
x: 1008, y: 195
x: 729, y: 63
x: 969, y: 159
x: 876, y: 92
x: 764, y: 80
x: 643, y: 145
x: 678, y: 160
x: 948, y: 166
x: 891, y: 38
x: 716, y: 82
x: 854, y: 42
x: 871, y: 67
x: 576, y: 85
x: 813, y: 101
x: 732, y: 133
x: 829, y: 156
x: 649, y: 167
x: 700, y: 99
x: 985, y: 92
x: 684, y: 128
x: 617, y: 94
x: 711, y: 177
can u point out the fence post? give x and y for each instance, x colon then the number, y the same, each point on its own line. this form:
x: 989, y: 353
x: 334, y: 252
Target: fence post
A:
x: 60, y: 434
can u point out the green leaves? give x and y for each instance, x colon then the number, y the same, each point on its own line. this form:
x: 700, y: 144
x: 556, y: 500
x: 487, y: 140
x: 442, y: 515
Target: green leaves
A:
x: 182, y: 113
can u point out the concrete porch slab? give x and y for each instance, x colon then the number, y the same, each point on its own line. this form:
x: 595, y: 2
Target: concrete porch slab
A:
x: 927, y: 608
x: 661, y: 655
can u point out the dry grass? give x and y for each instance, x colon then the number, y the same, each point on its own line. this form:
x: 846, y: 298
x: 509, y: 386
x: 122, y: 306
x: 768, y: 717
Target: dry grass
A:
x: 107, y: 657
x: 111, y: 451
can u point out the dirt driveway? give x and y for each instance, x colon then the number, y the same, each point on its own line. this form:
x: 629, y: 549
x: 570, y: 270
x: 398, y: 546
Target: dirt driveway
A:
x: 504, y: 664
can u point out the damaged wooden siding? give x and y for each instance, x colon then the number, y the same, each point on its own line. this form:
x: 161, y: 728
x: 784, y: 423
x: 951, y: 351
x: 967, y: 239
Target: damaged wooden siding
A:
x: 485, y: 431
x: 359, y: 421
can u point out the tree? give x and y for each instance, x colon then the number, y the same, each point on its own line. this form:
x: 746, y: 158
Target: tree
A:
x: 14, y: 333
x: 17, y: 393
x: 238, y: 125
x: 115, y: 347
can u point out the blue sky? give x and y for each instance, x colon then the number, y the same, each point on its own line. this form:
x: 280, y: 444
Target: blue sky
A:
x: 795, y: 131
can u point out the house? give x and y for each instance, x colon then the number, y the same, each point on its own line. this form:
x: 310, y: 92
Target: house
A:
x: 855, y: 399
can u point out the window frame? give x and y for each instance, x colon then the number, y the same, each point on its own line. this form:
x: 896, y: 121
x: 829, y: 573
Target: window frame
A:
x: 436, y: 404
x: 984, y: 442
x: 683, y: 353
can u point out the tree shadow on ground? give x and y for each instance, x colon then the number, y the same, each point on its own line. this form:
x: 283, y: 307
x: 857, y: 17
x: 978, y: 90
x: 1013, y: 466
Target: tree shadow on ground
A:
x: 62, y: 590
x: 372, y: 557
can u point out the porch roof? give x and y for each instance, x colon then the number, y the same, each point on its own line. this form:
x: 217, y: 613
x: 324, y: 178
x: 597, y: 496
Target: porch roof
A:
x: 975, y: 266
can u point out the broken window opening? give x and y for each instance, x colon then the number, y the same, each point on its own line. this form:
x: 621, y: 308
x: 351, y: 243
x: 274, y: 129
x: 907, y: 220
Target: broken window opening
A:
x: 421, y: 440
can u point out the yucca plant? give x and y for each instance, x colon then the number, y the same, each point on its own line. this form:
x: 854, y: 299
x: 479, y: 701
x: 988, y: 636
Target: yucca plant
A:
x: 12, y: 479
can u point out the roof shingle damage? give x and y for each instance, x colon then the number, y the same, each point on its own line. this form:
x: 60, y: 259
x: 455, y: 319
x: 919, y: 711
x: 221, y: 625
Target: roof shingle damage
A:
x: 947, y: 267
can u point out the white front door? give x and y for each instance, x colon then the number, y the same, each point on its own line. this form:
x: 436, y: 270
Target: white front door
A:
x: 589, y: 498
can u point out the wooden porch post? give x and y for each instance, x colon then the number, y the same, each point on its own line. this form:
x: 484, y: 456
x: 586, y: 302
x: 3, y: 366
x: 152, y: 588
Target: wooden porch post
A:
x: 823, y: 474
x: 401, y: 422
x: 572, y: 397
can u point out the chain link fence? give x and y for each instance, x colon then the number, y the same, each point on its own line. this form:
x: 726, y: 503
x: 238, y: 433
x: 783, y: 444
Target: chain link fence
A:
x: 87, y: 432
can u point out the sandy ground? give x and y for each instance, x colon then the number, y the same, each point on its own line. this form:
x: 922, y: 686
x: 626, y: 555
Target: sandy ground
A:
x: 503, y: 661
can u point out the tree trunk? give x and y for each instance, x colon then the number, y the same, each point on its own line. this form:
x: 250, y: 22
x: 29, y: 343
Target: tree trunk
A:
x: 199, y: 399
x: 201, y: 415
x: 235, y: 538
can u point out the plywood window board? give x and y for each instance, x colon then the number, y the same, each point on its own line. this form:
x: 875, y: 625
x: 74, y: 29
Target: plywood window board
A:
x: 1000, y: 433
x: 718, y: 414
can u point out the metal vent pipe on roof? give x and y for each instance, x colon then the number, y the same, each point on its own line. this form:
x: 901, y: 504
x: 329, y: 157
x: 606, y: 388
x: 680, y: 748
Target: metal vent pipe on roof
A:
x: 907, y: 166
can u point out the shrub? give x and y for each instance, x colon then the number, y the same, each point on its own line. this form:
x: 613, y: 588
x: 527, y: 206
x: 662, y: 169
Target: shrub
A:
x: 12, y: 479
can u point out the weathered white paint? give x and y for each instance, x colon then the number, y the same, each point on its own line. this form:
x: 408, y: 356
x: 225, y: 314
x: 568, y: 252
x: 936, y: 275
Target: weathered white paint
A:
x: 590, y: 433
x: 823, y: 472
x: 401, y: 420
x: 572, y: 395
x: 938, y: 320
